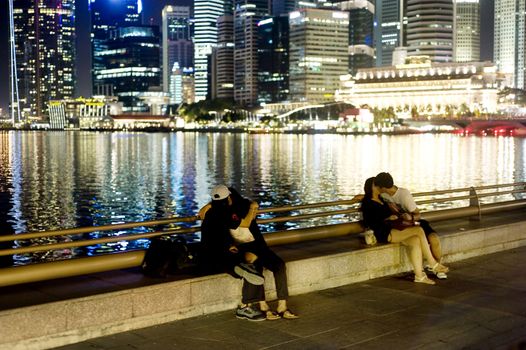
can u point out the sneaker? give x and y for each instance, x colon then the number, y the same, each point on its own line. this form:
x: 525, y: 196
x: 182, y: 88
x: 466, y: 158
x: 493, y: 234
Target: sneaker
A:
x: 251, y: 314
x: 249, y: 273
x: 441, y: 275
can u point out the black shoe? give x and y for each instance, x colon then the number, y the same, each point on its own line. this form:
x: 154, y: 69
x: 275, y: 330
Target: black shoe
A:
x: 249, y: 313
x: 249, y: 273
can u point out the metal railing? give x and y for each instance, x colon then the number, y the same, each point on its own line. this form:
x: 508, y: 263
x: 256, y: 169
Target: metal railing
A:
x: 342, y: 218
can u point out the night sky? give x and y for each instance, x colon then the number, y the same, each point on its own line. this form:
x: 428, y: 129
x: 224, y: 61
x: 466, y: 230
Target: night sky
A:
x: 152, y: 14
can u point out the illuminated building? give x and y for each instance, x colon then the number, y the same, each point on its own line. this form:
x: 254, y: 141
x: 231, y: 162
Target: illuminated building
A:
x: 131, y: 65
x: 425, y: 87
x: 106, y: 16
x: 509, y: 39
x: 177, y: 45
x: 222, y: 72
x: 273, y: 60
x: 387, y: 31
x: 83, y: 113
x: 467, y: 30
x: 361, y: 19
x: 318, y: 53
x: 430, y: 29
x: 44, y: 34
x: 206, y: 13
x: 247, y: 14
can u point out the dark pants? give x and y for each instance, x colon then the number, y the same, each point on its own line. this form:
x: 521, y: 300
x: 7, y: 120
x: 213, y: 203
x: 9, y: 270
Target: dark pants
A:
x: 266, y: 258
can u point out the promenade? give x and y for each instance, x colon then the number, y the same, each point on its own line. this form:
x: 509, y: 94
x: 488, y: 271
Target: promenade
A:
x: 481, y: 306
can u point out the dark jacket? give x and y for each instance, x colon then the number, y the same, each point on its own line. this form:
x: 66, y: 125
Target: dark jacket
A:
x: 374, y: 217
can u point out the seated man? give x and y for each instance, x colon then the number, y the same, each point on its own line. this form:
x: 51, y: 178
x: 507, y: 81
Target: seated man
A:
x: 401, y: 202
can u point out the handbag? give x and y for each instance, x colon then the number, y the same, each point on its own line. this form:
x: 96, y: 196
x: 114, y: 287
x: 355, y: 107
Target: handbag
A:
x: 400, y: 224
x: 370, y: 238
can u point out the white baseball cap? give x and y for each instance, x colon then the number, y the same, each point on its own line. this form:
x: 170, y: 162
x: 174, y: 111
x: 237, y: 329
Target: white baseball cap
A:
x: 220, y: 192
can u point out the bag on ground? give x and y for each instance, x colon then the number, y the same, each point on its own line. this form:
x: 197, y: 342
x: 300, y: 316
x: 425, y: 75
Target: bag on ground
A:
x: 165, y: 256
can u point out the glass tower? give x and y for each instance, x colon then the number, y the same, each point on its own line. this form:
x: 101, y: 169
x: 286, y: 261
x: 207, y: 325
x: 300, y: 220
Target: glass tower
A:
x: 387, y: 31
x: 467, y: 30
x: 509, y: 39
x: 44, y: 34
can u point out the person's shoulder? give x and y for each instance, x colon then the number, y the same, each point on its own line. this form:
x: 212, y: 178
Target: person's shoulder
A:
x: 403, y: 192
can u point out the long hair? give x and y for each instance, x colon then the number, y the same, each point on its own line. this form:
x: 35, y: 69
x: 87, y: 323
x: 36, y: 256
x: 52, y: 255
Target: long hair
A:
x: 368, y: 188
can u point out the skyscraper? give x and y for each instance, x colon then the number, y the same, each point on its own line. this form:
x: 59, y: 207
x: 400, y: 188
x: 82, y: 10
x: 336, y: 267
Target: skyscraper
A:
x: 206, y: 13
x: 319, y: 41
x: 510, y: 39
x: 223, y: 81
x: 430, y: 29
x: 387, y: 33
x: 247, y: 14
x: 177, y: 45
x: 467, y: 30
x: 106, y: 15
x: 45, y: 53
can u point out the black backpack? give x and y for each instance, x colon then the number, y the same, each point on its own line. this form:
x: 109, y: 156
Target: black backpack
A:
x: 165, y: 256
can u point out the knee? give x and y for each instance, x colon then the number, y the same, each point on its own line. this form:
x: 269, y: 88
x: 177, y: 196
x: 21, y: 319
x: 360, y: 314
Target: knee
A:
x: 413, y: 242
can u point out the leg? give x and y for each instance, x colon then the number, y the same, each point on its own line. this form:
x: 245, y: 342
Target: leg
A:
x: 399, y: 236
x: 434, y: 244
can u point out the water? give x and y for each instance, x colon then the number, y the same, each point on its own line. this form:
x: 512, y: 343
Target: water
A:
x: 54, y: 180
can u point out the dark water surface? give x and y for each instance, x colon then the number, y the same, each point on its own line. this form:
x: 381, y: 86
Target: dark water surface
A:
x: 53, y: 180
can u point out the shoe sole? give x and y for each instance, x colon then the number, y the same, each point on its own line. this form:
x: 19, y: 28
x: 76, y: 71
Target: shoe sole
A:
x: 249, y: 277
x: 251, y: 319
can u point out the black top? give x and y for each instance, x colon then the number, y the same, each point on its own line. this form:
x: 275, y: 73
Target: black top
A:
x: 374, y: 217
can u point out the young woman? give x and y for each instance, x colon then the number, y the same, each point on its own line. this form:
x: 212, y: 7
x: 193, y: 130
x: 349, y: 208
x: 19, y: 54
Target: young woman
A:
x: 379, y: 218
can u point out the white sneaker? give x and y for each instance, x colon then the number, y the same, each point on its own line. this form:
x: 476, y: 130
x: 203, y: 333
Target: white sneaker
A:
x: 441, y: 275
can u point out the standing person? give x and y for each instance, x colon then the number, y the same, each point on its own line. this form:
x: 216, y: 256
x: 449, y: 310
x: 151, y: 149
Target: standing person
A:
x: 229, y: 229
x: 401, y: 202
x: 378, y: 216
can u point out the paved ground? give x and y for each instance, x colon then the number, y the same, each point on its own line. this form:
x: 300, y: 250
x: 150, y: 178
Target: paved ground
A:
x: 481, y: 306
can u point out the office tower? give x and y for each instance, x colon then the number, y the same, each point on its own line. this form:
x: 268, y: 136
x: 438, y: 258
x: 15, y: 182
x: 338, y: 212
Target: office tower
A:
x: 176, y: 84
x: 273, y: 59
x: 223, y: 58
x: 388, y: 30
x: 177, y: 45
x: 44, y: 34
x: 430, y: 29
x: 361, y: 25
x: 131, y: 65
x: 206, y: 13
x: 319, y: 41
x: 509, y: 39
x: 106, y: 15
x: 467, y: 30
x: 247, y: 14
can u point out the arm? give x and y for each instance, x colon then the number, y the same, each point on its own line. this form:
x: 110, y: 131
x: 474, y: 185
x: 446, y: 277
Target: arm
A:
x: 251, y: 215
x: 203, y: 210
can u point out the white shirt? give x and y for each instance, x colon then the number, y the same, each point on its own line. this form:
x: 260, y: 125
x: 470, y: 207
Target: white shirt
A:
x: 242, y: 235
x: 403, y: 199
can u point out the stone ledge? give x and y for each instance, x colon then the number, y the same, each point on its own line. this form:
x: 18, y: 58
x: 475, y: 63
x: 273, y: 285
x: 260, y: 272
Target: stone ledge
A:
x: 70, y: 321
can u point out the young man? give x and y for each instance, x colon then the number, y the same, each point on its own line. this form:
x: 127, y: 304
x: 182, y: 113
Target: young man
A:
x: 401, y: 202
x: 230, y: 234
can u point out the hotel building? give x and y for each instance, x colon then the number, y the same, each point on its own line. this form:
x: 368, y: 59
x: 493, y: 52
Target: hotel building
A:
x: 44, y: 34
x: 509, y: 39
x: 319, y: 41
x: 429, y: 88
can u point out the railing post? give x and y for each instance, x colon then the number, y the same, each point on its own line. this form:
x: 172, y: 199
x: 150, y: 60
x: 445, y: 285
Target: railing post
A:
x: 474, y: 202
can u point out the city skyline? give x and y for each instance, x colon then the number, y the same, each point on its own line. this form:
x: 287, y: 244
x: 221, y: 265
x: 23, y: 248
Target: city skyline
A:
x: 152, y: 15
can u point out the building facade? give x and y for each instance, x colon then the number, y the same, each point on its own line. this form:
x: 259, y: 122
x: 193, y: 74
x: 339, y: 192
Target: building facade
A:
x: 83, y: 113
x: 509, y: 39
x: 130, y: 65
x: 177, y: 45
x: 388, y: 30
x: 44, y: 34
x: 426, y: 88
x: 319, y: 41
x: 430, y: 29
x: 467, y: 30
x: 273, y: 60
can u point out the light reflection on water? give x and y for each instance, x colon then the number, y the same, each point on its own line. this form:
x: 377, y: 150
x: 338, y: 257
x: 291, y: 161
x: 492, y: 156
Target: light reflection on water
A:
x: 54, y: 180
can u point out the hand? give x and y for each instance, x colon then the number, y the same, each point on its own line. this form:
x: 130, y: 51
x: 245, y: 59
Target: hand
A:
x: 407, y: 217
x: 357, y: 198
x: 233, y: 249
x: 393, y: 217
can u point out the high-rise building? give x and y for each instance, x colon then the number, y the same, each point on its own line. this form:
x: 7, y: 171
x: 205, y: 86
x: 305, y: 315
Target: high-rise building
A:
x: 509, y: 39
x: 247, y: 14
x: 430, y: 29
x: 319, y: 41
x: 131, y: 65
x: 361, y: 25
x: 223, y: 59
x: 177, y: 45
x: 206, y: 13
x: 467, y: 30
x: 388, y: 30
x: 44, y: 34
x: 107, y: 15
x: 273, y: 59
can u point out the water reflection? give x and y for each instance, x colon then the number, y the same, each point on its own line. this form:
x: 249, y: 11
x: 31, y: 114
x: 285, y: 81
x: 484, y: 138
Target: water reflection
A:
x: 52, y: 180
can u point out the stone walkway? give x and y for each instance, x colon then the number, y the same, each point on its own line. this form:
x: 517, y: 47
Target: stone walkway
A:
x: 481, y: 306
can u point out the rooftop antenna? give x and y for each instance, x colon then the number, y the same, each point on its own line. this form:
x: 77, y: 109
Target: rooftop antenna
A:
x: 15, y: 103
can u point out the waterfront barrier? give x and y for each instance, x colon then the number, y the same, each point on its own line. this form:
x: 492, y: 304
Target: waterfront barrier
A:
x: 440, y: 205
